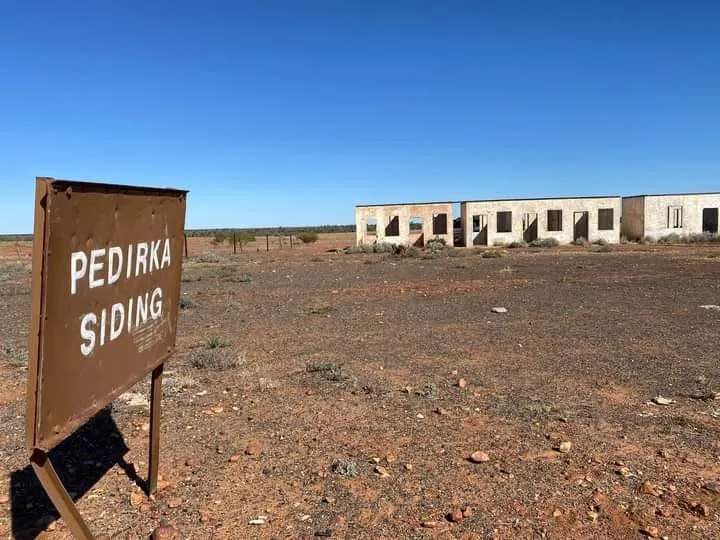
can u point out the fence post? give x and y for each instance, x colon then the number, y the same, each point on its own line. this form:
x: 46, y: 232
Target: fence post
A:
x: 234, y: 243
x: 267, y: 242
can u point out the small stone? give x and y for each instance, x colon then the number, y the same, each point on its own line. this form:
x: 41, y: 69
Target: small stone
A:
x: 593, y: 516
x: 376, y: 460
x: 565, y: 447
x: 420, y: 416
x: 712, y: 487
x: 175, y: 502
x: 192, y: 462
x: 431, y: 524
x: 328, y: 500
x: 649, y: 489
x: 442, y: 412
x: 325, y: 533
x: 659, y: 400
x: 253, y: 449
x: 220, y: 450
x: 390, y: 458
x: 479, y: 457
x: 625, y: 472
x: 382, y: 471
x: 164, y: 532
x: 136, y: 498
x: 462, y: 383
x: 257, y: 521
x: 408, y: 467
x: 234, y: 459
x: 499, y: 310
x: 664, y: 453
x: 455, y: 516
x: 650, y: 531
x: 204, y: 516
x: 468, y: 511
x: 663, y: 511
x: 557, y: 512
x: 701, y: 509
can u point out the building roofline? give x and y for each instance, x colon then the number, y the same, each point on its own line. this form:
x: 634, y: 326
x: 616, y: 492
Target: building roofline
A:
x: 405, y: 204
x: 520, y: 199
x: 672, y: 194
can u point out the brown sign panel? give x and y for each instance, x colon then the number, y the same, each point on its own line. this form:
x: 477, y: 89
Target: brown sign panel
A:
x: 106, y: 281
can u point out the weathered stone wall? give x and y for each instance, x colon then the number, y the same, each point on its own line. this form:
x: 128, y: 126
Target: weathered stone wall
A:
x: 393, y: 223
x: 657, y: 213
x: 572, y: 210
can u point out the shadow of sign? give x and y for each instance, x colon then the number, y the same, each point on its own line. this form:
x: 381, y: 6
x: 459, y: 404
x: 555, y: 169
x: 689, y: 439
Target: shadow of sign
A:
x: 81, y: 461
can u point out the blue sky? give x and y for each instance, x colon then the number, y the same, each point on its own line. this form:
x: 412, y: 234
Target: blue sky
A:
x: 291, y: 112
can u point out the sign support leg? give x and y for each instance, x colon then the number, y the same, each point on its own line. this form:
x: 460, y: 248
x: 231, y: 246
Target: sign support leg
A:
x: 58, y: 495
x: 155, y: 410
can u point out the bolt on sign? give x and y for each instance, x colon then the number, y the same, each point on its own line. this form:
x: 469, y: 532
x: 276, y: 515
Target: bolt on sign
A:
x: 107, y: 261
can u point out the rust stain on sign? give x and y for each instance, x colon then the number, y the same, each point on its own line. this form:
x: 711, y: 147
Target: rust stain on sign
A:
x: 106, y: 281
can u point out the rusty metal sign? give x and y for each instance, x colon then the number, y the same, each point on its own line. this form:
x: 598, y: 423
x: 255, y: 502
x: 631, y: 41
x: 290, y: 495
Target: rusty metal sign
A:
x: 107, y: 261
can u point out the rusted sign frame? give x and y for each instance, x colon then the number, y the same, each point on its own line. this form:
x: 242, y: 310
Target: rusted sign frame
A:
x: 40, y: 459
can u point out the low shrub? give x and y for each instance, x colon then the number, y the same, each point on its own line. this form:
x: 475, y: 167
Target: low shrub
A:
x: 215, y: 342
x: 545, y: 242
x: 493, y: 254
x: 214, y: 359
x: 308, y: 237
x: 517, y: 244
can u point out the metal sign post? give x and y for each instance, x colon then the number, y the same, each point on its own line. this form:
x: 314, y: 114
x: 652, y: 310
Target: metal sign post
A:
x: 107, y: 261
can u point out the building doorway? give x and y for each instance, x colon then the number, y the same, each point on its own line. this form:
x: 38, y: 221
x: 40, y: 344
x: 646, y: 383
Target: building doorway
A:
x: 530, y: 227
x: 580, y: 231
x: 480, y: 230
x: 710, y: 220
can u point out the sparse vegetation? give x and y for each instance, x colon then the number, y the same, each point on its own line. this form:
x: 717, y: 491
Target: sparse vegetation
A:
x: 331, y: 371
x: 216, y: 342
x: 321, y: 309
x: 185, y: 302
x: 308, y: 237
x: 14, y: 357
x: 345, y: 468
x: 516, y: 244
x: 215, y: 359
x: 494, y: 254
x: 695, y: 238
x: 545, y: 242
x: 581, y: 242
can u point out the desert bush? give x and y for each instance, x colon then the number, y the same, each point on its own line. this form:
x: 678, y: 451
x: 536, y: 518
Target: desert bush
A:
x: 623, y: 239
x: 214, y: 342
x: 406, y: 252
x: 331, y: 371
x: 216, y: 359
x: 648, y: 240
x: 219, y: 238
x: 14, y: 357
x: 672, y: 238
x: 545, y: 242
x: 600, y: 242
x: 354, y: 250
x: 581, y: 242
x: 383, y: 247
x: 320, y: 309
x: 603, y: 248
x: 493, y: 254
x: 345, y: 468
x: 308, y: 237
x: 435, y: 244
x: 209, y: 258
x: 518, y: 244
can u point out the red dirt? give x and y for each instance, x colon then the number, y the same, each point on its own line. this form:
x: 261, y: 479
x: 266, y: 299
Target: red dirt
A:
x: 358, y: 358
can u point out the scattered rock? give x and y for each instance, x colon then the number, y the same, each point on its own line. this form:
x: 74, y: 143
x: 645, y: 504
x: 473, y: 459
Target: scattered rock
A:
x: 455, y: 516
x: 468, y: 511
x: 135, y: 399
x: 204, y: 516
x: 711, y: 306
x: 192, y: 462
x: 164, y: 532
x: 258, y: 521
x: 175, y: 502
x: 382, y: 471
x: 408, y: 467
x: 625, y: 472
x: 136, y: 498
x: 345, y: 468
x: 712, y: 487
x: 659, y: 400
x: 593, y: 515
x: 162, y: 484
x: 390, y: 458
x: 462, y: 383
x: 564, y: 447
x: 431, y: 524
x: 253, y: 449
x: 649, y: 489
x: 234, y: 459
x: 665, y: 453
x: 651, y: 532
x: 420, y: 416
x: 442, y: 412
x: 499, y: 310
x: 325, y: 533
x: 700, y: 509
x: 328, y: 500
x: 479, y: 457
x: 557, y: 512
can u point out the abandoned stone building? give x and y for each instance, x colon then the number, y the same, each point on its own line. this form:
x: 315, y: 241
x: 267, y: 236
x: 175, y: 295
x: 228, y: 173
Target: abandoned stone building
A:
x: 657, y: 216
x: 406, y: 224
x: 492, y: 222
x: 487, y: 223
